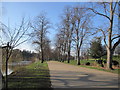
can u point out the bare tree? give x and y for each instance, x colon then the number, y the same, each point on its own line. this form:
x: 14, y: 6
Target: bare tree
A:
x: 61, y: 42
x: 74, y: 27
x: 58, y: 47
x: 40, y: 27
x: 47, y: 50
x: 81, y: 28
x: 13, y: 38
x: 111, y: 39
x: 68, y: 25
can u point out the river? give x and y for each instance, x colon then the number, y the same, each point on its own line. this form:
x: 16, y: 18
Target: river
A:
x: 12, y: 66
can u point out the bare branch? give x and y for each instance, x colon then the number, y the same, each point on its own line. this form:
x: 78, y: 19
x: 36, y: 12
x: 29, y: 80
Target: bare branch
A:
x: 115, y: 6
x: 104, y: 36
x: 36, y: 42
x: 116, y: 37
x: 99, y: 13
x: 21, y: 42
x: 116, y: 44
x: 18, y: 31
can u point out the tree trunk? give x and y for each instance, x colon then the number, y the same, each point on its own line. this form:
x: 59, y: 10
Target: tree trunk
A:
x: 6, y: 79
x: 42, y: 54
x: 109, y: 59
x: 78, y: 57
x: 69, y: 46
x: 68, y: 58
x: 42, y: 57
x: 109, y: 49
x: 6, y: 71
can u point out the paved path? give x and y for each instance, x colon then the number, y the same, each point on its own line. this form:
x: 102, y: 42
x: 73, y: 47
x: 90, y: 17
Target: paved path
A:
x: 70, y: 76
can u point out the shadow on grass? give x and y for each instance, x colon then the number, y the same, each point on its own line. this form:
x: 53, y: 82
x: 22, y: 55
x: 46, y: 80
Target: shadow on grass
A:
x: 34, y: 76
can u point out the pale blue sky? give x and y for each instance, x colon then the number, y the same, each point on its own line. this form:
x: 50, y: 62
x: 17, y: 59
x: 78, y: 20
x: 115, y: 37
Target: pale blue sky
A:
x: 14, y: 11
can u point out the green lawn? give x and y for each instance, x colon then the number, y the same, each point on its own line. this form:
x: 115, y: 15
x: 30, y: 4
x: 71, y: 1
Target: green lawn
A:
x: 35, y: 75
x: 74, y: 62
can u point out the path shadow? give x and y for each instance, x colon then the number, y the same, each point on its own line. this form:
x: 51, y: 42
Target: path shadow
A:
x: 73, y: 79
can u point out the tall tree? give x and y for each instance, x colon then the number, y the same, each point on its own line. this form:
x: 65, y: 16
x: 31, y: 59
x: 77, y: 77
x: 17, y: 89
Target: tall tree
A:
x: 81, y: 28
x: 40, y: 29
x: 111, y: 39
x: 47, y: 48
x: 61, y: 42
x: 68, y: 24
x: 11, y: 38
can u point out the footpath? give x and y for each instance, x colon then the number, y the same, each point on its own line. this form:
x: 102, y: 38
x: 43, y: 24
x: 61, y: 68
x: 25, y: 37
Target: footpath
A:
x: 70, y: 76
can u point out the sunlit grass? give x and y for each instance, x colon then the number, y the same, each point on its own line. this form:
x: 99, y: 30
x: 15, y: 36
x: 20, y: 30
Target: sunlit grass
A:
x: 74, y: 62
x: 35, y: 75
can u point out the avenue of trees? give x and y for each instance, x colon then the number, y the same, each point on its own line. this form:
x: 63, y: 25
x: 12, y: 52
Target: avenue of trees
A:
x: 75, y: 27
x: 74, y: 30
x: 77, y: 23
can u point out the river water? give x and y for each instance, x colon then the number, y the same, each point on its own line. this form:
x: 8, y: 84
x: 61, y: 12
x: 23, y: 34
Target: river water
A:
x: 12, y: 66
x: 9, y: 72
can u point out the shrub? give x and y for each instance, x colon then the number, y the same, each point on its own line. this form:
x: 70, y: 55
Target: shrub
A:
x: 87, y: 63
x: 99, y: 61
x: 104, y: 61
x: 115, y: 63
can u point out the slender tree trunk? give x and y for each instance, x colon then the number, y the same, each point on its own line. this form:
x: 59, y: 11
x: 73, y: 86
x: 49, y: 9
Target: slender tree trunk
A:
x: 6, y: 71
x: 78, y: 47
x: 42, y: 54
x: 68, y: 58
x: 64, y: 57
x: 41, y: 39
x: 6, y: 79
x: 60, y: 57
x: 42, y: 58
x: 109, y: 49
x: 59, y: 54
x: 78, y: 57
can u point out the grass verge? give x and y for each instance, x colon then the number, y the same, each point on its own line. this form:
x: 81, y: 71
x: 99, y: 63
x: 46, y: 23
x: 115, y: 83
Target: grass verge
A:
x: 74, y: 62
x: 35, y: 75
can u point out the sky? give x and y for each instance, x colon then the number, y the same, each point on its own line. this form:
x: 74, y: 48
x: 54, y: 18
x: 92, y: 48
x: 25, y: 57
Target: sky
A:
x: 12, y: 13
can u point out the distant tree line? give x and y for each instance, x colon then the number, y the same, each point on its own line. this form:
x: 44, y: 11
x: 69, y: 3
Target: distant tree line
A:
x: 18, y: 55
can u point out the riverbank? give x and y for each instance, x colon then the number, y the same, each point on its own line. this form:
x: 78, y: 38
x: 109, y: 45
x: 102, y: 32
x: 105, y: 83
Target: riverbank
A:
x: 35, y: 75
